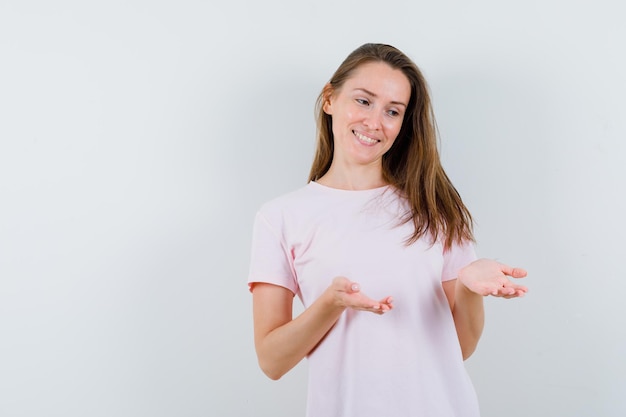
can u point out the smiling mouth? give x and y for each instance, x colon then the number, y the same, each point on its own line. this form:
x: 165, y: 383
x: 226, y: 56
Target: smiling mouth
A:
x: 365, y: 139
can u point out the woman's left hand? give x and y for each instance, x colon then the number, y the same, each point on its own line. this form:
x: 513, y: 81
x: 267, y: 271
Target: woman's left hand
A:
x: 488, y: 277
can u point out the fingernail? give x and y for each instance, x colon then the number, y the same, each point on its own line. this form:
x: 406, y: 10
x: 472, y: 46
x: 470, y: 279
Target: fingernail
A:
x: 355, y: 287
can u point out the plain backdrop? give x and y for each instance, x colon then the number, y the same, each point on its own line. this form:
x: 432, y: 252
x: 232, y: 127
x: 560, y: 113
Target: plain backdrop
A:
x: 138, y: 139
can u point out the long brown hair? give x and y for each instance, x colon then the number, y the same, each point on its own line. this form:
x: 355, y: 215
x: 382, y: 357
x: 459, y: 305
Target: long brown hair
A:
x: 412, y: 164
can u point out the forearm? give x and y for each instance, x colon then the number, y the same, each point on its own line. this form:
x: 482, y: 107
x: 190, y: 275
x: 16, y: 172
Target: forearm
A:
x: 469, y: 318
x: 285, y: 346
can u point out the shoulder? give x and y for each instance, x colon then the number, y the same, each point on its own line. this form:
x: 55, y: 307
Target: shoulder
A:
x: 293, y: 207
x: 289, y: 201
x: 458, y: 256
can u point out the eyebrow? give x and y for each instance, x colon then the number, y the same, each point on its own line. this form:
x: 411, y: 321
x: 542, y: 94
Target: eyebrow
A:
x: 374, y: 95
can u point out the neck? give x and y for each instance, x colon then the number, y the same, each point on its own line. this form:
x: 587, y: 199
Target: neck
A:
x: 355, y: 178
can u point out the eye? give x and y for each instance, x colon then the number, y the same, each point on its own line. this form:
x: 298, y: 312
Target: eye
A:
x: 362, y: 101
x: 393, y: 113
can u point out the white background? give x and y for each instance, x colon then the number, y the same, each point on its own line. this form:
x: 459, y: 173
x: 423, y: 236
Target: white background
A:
x: 138, y: 138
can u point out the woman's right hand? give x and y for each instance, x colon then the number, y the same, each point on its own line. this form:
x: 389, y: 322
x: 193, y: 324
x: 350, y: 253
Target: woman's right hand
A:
x: 282, y: 341
x: 348, y: 294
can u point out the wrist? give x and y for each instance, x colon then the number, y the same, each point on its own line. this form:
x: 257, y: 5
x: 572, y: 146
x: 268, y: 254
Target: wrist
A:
x: 463, y: 290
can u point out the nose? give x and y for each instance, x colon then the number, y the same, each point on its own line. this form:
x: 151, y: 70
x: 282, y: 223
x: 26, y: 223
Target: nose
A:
x: 373, y: 121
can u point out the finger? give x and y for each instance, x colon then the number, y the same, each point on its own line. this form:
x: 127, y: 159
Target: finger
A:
x: 376, y: 309
x: 518, y: 273
x: 387, y: 300
x: 513, y: 272
x: 361, y: 301
x: 346, y: 285
x: 385, y: 308
x: 516, y: 287
x: 517, y: 294
x: 373, y: 306
x: 518, y: 291
x: 502, y: 289
x: 503, y: 294
x: 353, y: 287
x: 521, y: 291
x: 368, y: 308
x: 341, y: 283
x: 388, y: 303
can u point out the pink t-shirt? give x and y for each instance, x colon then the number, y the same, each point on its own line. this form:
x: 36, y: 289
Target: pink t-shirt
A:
x: 407, y: 362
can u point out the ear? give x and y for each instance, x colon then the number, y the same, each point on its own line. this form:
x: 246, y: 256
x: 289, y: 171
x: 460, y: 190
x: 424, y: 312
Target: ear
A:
x: 327, y: 94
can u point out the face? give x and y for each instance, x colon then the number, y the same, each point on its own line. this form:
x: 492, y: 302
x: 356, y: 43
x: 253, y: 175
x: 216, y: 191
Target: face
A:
x: 367, y: 113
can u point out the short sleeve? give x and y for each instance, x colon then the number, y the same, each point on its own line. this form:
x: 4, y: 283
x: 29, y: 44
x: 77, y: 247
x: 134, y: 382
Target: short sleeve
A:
x: 270, y: 261
x: 456, y: 258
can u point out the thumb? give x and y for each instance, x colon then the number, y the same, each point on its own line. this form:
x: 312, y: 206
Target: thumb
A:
x: 519, y: 273
x: 514, y: 272
x: 344, y: 284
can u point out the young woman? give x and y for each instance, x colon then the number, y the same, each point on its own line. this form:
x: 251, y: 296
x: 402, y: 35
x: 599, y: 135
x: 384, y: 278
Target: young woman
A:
x: 379, y: 217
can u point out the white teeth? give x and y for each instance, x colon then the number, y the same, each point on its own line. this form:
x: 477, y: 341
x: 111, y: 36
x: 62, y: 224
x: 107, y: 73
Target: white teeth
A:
x: 365, y: 138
